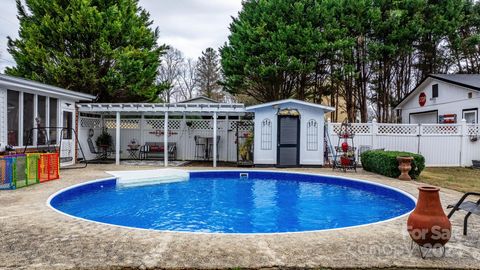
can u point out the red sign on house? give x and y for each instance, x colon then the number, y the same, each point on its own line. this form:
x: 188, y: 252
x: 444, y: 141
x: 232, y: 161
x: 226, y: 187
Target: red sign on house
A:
x: 422, y: 99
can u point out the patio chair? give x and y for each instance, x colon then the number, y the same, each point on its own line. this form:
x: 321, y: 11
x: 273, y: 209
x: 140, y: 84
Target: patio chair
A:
x: 91, y: 147
x: 210, y: 148
x: 470, y: 207
x: 200, y: 144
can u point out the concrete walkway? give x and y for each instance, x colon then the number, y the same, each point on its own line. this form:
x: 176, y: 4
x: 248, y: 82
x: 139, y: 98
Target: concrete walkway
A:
x: 32, y: 236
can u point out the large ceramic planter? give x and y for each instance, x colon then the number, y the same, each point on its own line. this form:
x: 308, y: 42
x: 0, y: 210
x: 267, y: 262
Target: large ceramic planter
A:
x: 428, y: 225
x: 404, y: 165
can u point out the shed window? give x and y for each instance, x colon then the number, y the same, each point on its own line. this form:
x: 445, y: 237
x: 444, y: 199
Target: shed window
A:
x: 13, y: 116
x: 266, y: 135
x: 435, y: 91
x: 312, y: 135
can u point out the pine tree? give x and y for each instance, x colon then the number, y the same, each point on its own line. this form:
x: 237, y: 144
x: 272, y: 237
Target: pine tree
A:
x: 208, y: 75
x: 101, y: 47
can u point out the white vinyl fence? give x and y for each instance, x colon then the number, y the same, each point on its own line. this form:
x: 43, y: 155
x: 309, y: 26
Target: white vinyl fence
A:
x: 440, y: 144
x: 180, y: 131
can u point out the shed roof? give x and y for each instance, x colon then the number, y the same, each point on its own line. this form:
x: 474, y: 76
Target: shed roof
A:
x: 16, y: 83
x: 200, y: 99
x: 291, y: 100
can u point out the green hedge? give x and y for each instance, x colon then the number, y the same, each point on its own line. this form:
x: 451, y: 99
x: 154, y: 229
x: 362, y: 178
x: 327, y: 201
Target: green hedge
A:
x: 385, y: 163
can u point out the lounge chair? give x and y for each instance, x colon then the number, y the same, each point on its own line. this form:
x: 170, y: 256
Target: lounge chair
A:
x: 98, y: 154
x: 470, y: 207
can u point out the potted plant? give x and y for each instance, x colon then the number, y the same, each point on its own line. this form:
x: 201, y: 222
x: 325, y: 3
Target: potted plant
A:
x: 104, y: 140
x: 246, y: 147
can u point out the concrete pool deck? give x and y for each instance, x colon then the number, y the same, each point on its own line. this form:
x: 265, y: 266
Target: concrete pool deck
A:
x: 33, y: 236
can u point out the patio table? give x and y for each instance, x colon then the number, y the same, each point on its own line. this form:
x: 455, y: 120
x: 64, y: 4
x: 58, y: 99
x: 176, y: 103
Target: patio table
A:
x: 209, y: 141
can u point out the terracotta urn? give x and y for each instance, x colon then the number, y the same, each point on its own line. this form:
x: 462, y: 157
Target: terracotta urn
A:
x: 428, y: 225
x: 404, y: 165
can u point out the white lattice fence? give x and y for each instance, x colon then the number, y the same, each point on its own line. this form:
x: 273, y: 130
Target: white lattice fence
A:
x: 397, y: 129
x: 440, y: 144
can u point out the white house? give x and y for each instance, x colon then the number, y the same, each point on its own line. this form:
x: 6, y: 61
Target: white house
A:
x: 25, y: 104
x: 289, y: 133
x: 442, y: 98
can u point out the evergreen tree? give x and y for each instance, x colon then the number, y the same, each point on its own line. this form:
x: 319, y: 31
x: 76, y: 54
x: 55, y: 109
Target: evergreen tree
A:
x: 208, y: 75
x: 101, y: 47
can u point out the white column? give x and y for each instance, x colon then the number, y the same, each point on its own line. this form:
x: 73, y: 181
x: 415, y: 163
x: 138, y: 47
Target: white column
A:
x: 20, y: 120
x: 214, y: 139
x: 184, y: 136
x: 463, y: 143
x: 374, y: 134
x: 117, y: 140
x: 35, y: 116
x: 47, y: 119
x: 226, y: 141
x: 165, y: 140
x: 142, y: 129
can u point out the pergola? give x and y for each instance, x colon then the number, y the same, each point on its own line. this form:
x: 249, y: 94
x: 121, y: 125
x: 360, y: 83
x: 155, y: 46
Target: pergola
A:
x: 165, y: 109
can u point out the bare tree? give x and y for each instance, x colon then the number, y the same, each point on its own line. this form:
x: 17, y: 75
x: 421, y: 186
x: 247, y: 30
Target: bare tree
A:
x: 187, y: 82
x: 169, y: 73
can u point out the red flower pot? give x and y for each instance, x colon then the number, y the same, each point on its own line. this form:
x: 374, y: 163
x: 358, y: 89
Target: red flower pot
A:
x: 344, y: 146
x: 345, y: 161
x: 428, y: 225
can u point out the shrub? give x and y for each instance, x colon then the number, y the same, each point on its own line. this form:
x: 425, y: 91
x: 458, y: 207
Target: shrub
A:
x: 385, y: 163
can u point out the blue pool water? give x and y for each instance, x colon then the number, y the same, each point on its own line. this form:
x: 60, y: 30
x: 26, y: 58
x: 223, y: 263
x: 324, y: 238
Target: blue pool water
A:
x: 266, y: 202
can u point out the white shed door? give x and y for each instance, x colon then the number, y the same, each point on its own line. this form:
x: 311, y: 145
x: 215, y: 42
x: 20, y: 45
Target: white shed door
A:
x: 424, y: 118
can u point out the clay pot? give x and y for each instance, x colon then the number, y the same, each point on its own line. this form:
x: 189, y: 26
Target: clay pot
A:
x: 428, y: 225
x: 404, y: 165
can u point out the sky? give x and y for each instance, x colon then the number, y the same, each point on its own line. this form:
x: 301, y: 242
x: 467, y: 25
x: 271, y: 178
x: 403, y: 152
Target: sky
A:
x: 188, y: 25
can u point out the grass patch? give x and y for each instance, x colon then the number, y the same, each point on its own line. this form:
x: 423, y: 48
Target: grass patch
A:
x: 460, y: 179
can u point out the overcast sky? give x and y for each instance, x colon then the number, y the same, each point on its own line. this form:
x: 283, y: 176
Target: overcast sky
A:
x: 188, y: 25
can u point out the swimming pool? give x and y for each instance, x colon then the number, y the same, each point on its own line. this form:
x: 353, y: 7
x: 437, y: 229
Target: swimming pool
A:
x: 226, y: 202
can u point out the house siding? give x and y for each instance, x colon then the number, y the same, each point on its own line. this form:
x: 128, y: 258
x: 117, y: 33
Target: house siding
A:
x: 452, y: 99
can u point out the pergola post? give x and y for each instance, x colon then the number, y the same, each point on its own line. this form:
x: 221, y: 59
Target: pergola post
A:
x: 184, y: 142
x: 165, y: 140
x: 214, y: 139
x: 226, y: 142
x: 117, y: 139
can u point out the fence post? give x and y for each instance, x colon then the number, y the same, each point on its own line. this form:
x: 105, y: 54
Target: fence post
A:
x: 419, y: 138
x: 463, y: 143
x: 374, y: 134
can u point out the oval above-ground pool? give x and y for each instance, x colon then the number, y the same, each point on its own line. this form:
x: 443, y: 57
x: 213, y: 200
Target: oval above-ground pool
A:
x: 226, y: 202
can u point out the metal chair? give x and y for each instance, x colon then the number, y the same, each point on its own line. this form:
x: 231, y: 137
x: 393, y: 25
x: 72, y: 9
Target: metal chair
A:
x: 210, y: 148
x: 468, y: 206
x: 98, y: 154
x: 200, y: 144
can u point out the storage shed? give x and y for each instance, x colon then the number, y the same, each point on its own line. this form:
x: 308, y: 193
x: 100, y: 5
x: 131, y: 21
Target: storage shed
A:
x: 289, y: 133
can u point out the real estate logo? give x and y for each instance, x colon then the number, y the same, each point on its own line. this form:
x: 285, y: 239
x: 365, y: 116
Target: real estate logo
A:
x: 422, y: 99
